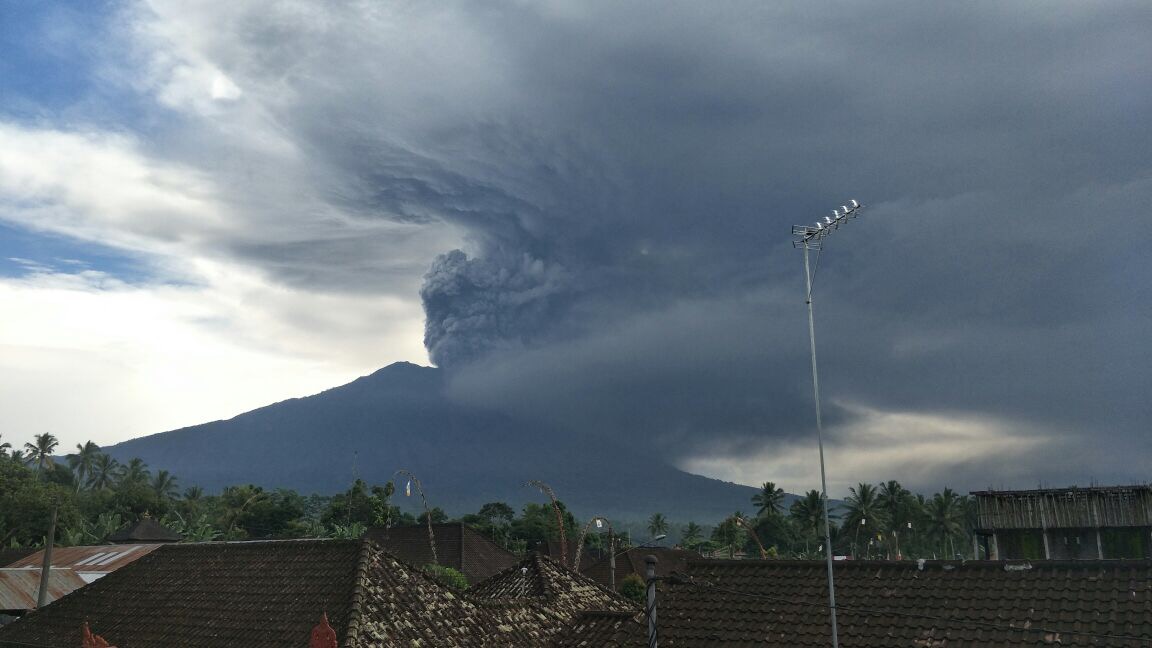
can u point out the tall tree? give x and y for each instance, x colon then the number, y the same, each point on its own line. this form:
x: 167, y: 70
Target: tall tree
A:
x: 864, y: 516
x: 40, y: 450
x: 657, y: 525
x: 164, y: 484
x: 4, y: 445
x: 808, y: 512
x: 135, y: 473
x: 81, y: 462
x: 770, y: 500
x: 899, y: 508
x: 691, y: 535
x: 945, y: 520
x: 105, y: 472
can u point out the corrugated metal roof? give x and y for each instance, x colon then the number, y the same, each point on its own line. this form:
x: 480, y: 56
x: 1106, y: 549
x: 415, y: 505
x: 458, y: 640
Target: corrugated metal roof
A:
x: 20, y: 587
x: 87, y: 560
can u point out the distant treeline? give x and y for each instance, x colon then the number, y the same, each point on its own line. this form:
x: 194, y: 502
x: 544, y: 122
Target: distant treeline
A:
x: 95, y: 495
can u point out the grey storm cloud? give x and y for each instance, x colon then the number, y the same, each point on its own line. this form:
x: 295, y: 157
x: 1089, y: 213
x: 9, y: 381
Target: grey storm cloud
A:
x: 624, y: 176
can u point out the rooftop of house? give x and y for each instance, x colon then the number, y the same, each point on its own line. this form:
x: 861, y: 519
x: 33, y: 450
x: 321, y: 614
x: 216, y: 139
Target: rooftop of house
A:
x: 146, y: 529
x: 9, y: 556
x: 19, y: 588
x: 90, y: 563
x: 457, y: 546
x: 273, y: 593
x: 778, y: 603
x: 632, y: 561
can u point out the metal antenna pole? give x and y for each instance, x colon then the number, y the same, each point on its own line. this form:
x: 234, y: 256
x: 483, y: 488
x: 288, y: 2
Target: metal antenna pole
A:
x: 812, y: 237
x: 820, y: 442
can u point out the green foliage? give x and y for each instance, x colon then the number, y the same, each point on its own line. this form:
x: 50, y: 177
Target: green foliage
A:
x: 447, y: 576
x: 632, y: 587
x: 26, y: 506
x: 770, y: 500
x: 367, y: 506
x: 437, y: 514
x: 657, y: 525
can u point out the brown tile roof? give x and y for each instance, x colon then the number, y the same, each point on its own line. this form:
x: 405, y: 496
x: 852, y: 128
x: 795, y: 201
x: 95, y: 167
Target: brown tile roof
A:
x: 601, y: 629
x: 457, y: 546
x: 540, y: 593
x: 145, y: 529
x: 265, y: 594
x: 631, y: 561
x: 19, y: 588
x: 211, y: 594
x: 9, y: 556
x: 890, y: 604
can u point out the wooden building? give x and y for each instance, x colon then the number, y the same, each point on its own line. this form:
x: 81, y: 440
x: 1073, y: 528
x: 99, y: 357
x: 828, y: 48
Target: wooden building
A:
x: 1065, y: 523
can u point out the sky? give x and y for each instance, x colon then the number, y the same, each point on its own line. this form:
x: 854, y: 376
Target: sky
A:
x: 581, y: 210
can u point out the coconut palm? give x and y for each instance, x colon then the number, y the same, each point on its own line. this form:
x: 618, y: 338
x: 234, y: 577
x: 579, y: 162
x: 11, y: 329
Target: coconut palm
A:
x: 81, y: 462
x: 691, y: 535
x: 864, y: 513
x: 770, y: 500
x: 899, y: 509
x: 40, y: 450
x: 657, y: 525
x: 164, y: 484
x: 105, y: 472
x: 808, y: 512
x: 135, y: 472
x: 945, y: 520
x: 4, y: 446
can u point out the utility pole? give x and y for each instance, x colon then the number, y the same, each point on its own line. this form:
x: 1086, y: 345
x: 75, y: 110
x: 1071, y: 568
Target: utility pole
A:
x: 812, y: 238
x: 46, y: 566
x: 650, y: 601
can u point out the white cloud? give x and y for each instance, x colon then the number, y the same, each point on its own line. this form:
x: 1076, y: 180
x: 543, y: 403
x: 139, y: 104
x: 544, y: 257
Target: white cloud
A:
x: 85, y: 356
x: 923, y: 450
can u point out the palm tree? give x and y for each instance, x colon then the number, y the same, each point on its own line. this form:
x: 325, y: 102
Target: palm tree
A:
x: 898, y: 506
x: 105, y: 472
x: 164, y: 484
x: 19, y: 457
x: 691, y: 535
x: 808, y: 512
x: 81, y: 462
x: 770, y: 500
x: 945, y: 519
x: 864, y: 513
x: 657, y: 525
x: 4, y: 445
x: 40, y: 450
x: 135, y: 472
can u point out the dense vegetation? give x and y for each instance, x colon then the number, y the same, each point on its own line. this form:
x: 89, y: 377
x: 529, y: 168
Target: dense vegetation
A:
x: 95, y: 495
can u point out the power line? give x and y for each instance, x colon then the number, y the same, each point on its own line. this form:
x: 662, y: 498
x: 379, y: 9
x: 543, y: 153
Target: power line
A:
x: 688, y: 580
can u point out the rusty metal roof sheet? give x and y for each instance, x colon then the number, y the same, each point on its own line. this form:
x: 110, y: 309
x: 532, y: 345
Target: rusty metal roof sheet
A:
x: 20, y: 587
x: 99, y: 560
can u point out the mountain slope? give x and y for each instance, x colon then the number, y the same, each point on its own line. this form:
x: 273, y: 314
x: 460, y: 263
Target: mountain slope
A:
x: 398, y: 417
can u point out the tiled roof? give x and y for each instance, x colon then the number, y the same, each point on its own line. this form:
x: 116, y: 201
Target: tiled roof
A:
x: 631, y: 561
x: 145, y: 529
x: 213, y: 594
x: 271, y: 594
x: 8, y: 556
x: 602, y: 629
x: 889, y: 604
x: 457, y: 546
x: 539, y: 593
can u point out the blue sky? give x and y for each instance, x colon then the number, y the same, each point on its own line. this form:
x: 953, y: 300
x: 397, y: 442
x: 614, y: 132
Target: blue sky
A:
x: 582, y: 208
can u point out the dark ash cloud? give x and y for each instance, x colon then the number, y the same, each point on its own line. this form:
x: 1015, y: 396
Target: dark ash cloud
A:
x: 623, y: 178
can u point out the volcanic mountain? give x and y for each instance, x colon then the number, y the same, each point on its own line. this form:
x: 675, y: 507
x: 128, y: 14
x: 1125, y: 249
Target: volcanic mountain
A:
x: 399, y: 417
